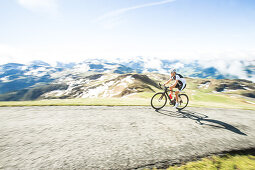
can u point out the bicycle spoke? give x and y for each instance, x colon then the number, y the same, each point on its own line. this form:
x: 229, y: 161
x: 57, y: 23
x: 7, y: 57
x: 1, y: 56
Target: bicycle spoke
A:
x: 183, y: 101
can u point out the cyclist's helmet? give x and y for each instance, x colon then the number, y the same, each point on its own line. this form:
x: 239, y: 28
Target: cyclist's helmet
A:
x: 173, y: 70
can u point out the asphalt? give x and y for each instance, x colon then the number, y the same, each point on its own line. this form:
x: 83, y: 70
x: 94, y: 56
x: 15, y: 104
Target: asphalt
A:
x: 86, y: 137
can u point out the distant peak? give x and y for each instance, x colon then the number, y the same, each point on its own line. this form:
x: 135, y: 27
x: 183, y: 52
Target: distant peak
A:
x: 39, y: 62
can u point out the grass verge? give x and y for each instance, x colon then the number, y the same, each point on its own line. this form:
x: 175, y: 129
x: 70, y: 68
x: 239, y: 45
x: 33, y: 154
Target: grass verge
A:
x: 80, y: 102
x: 228, y: 162
x: 241, y: 160
x: 142, y: 99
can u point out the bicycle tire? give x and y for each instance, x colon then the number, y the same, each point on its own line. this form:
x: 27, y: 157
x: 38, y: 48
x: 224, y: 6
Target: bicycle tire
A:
x: 182, y: 96
x: 160, y: 94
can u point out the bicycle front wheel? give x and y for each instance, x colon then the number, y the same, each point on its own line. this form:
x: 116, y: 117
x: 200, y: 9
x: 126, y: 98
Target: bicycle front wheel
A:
x: 158, y: 101
x: 183, y: 101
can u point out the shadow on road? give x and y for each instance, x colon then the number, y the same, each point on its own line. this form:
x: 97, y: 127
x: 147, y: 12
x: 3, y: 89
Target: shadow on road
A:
x: 201, y: 119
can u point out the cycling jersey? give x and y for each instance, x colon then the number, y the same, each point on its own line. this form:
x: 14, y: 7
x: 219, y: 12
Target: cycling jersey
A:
x: 181, y: 82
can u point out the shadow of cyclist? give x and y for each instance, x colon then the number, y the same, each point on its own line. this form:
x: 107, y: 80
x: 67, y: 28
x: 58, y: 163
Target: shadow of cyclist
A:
x: 201, y: 119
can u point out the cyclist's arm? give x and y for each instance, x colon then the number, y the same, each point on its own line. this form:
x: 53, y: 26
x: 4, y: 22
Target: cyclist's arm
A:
x: 168, y: 81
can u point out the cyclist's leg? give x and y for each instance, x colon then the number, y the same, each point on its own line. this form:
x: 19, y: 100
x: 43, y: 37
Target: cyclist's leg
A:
x: 171, y: 90
x: 177, y: 92
x: 176, y: 95
x: 180, y: 90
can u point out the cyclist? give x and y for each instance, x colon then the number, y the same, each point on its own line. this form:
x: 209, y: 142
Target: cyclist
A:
x: 180, y: 84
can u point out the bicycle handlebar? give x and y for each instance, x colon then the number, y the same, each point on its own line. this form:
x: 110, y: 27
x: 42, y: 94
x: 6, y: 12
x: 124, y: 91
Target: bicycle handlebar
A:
x: 165, y: 87
x: 160, y: 85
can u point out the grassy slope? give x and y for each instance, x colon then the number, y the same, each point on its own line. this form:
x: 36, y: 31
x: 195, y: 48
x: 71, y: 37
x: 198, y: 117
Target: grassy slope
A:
x: 199, y: 97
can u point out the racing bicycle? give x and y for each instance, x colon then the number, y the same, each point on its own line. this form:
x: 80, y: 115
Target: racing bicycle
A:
x: 159, y: 100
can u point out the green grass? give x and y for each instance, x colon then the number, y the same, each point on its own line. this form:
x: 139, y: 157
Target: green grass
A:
x: 197, y: 99
x: 227, y: 162
x: 219, y: 100
x: 81, y: 102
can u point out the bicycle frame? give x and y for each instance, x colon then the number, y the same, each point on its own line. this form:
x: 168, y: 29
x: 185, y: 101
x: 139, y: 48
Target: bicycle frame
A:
x: 166, y: 90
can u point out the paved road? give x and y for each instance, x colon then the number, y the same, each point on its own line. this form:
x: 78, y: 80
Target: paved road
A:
x: 70, y: 137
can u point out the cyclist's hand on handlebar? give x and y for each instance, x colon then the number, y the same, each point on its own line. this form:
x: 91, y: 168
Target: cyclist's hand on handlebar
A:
x: 162, y: 85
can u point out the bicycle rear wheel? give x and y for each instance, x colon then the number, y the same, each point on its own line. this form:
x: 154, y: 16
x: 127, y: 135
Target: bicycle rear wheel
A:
x: 158, y: 101
x: 183, y: 101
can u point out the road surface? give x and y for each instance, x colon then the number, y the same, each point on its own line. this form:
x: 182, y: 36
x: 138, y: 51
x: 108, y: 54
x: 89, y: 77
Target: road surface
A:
x: 86, y: 137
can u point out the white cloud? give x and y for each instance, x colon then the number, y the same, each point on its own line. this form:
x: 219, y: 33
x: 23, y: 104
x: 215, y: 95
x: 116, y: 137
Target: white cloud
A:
x: 153, y: 63
x: 228, y: 66
x: 71, y: 52
x: 108, y: 20
x: 10, y: 54
x: 41, y: 6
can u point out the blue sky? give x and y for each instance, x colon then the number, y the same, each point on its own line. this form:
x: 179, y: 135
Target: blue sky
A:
x: 73, y: 30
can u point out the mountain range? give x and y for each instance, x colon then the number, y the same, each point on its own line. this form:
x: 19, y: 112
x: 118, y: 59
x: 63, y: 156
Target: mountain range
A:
x: 17, y: 78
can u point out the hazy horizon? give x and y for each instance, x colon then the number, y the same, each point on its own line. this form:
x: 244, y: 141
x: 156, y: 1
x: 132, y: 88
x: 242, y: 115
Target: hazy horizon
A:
x: 204, y: 61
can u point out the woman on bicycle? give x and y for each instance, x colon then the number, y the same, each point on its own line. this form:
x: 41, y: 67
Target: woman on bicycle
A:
x: 180, y: 84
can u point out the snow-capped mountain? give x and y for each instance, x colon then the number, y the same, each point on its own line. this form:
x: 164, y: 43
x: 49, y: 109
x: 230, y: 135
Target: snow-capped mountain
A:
x: 15, y: 76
